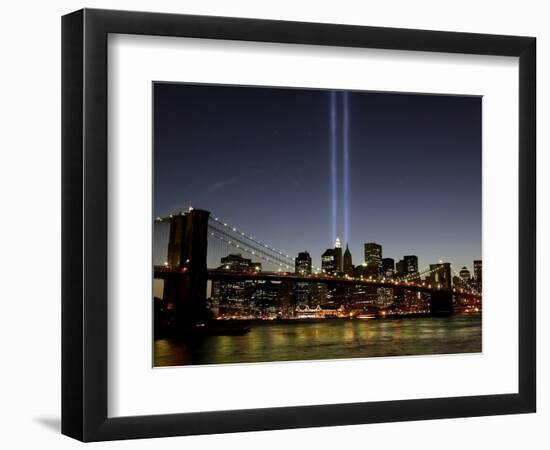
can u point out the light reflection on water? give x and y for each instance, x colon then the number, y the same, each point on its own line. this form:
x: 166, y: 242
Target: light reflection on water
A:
x: 328, y: 339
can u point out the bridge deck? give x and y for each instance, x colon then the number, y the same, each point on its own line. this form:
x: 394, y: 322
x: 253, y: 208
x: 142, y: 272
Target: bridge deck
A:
x: 162, y: 272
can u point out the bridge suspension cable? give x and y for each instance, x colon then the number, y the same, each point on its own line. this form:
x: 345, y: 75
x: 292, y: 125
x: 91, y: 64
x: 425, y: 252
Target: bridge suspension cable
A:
x: 420, y: 273
x: 242, y: 244
x: 231, y: 241
x: 259, y: 246
x: 247, y: 236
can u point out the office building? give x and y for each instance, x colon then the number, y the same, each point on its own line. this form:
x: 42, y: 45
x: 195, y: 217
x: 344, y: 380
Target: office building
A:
x: 464, y: 275
x: 348, y: 263
x: 338, y: 255
x: 400, y: 270
x: 388, y: 267
x: 478, y: 274
x: 302, y: 263
x: 373, y: 258
x: 236, y: 263
x: 411, y: 265
x: 328, y: 262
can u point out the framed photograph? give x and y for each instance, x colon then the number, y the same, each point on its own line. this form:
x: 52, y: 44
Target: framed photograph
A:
x: 273, y: 224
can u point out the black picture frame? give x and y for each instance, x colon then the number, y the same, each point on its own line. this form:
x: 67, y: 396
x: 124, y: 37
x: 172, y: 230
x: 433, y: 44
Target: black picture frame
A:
x: 84, y: 224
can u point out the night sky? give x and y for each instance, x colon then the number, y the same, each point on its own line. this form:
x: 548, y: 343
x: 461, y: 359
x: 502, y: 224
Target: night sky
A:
x: 261, y: 159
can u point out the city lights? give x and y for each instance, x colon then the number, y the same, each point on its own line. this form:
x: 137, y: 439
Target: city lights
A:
x: 370, y: 284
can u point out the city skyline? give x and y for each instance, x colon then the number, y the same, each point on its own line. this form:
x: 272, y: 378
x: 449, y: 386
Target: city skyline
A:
x: 413, y: 168
x: 419, y: 268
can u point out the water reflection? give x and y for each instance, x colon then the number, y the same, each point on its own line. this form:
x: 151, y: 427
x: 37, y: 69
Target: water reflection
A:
x: 329, y: 339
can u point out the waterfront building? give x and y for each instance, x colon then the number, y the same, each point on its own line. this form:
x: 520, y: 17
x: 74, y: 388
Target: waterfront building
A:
x: 318, y: 294
x: 302, y: 293
x: 305, y: 312
x: 241, y: 298
x: 385, y: 296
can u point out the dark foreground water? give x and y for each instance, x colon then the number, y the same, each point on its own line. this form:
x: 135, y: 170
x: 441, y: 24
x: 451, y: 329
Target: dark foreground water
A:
x: 328, y: 339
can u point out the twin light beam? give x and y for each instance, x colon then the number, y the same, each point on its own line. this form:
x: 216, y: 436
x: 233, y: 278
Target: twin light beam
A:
x: 339, y: 150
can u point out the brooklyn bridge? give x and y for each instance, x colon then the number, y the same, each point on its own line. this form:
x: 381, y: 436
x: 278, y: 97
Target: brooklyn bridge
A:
x: 194, y: 232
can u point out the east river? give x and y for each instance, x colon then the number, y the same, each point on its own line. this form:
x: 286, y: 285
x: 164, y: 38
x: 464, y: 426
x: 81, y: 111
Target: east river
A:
x: 327, y: 339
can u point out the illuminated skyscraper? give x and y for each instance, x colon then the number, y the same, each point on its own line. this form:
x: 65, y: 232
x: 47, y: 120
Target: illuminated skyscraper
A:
x: 328, y: 261
x: 388, y: 267
x: 302, y: 263
x: 411, y: 264
x: 373, y: 258
x: 338, y: 255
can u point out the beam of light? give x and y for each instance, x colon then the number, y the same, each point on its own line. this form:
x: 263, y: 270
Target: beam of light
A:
x: 345, y: 164
x: 333, y: 163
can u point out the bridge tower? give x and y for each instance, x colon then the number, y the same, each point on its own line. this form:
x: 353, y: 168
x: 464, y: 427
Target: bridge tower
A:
x: 187, y: 246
